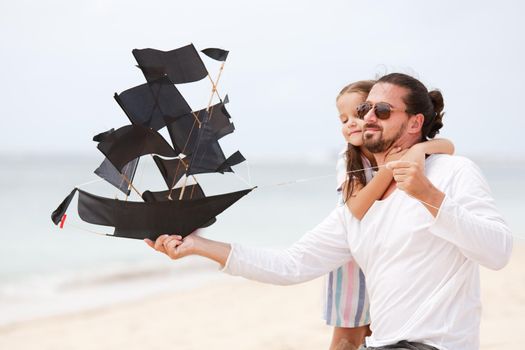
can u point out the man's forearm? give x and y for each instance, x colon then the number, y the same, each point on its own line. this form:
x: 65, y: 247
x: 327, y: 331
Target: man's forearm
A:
x: 480, y: 233
x: 432, y: 200
x: 469, y: 219
x: 214, y: 250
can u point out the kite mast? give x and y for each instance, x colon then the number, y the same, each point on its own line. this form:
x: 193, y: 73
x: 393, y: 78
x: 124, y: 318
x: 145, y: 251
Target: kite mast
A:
x: 213, y: 92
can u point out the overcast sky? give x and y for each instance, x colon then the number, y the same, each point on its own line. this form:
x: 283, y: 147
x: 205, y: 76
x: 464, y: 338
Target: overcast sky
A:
x: 63, y: 60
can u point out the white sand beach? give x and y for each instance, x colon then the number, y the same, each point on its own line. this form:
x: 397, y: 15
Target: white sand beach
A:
x: 238, y: 314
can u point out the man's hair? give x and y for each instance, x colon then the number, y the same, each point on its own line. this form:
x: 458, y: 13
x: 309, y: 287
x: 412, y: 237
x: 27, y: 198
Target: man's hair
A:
x: 420, y: 100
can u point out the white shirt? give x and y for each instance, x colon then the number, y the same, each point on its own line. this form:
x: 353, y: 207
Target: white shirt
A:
x: 422, y: 272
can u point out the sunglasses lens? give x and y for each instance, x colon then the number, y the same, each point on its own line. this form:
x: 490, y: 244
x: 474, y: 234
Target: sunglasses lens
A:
x: 363, y: 109
x: 382, y: 110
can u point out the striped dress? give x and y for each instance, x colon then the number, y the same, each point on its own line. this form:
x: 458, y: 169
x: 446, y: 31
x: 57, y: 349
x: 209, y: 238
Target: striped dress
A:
x: 346, y: 301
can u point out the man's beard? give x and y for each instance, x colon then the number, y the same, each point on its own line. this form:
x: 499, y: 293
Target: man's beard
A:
x: 380, y: 145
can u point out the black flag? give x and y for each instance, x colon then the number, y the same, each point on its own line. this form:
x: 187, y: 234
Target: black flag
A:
x: 182, y: 65
x: 216, y: 54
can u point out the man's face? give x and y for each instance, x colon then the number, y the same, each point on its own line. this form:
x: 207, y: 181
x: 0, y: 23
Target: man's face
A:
x: 381, y: 135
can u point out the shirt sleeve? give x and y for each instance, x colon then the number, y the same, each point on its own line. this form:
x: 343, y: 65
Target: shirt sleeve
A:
x: 469, y: 219
x: 318, y: 252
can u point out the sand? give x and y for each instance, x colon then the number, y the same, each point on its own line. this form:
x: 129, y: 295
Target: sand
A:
x: 233, y: 313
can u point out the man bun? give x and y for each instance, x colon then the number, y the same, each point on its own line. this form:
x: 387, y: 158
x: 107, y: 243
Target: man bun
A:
x: 419, y: 100
x: 437, y: 101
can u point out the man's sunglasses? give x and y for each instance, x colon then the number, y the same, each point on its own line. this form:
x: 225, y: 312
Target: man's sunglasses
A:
x: 382, y: 110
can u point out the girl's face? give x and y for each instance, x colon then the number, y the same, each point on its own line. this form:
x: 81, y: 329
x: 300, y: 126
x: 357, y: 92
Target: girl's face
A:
x: 352, y: 126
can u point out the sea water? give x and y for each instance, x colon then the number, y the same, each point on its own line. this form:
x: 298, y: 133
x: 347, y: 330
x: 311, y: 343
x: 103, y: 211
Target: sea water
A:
x: 45, y: 270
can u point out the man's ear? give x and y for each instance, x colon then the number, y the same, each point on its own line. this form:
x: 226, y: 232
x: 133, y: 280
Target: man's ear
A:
x: 415, y: 123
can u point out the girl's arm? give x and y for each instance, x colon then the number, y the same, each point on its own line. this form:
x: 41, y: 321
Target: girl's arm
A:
x: 417, y: 152
x: 362, y: 198
x: 435, y: 146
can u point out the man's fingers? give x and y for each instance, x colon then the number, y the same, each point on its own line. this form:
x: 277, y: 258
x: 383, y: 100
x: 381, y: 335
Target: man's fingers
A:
x: 159, y: 243
x: 400, y: 171
x: 171, y: 241
x: 150, y: 243
x: 172, y: 247
x: 400, y: 178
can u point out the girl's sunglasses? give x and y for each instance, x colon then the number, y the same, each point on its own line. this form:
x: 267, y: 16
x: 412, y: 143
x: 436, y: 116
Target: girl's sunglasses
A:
x: 382, y: 110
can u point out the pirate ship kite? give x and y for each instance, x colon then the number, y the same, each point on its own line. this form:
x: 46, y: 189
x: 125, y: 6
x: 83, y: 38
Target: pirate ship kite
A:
x: 194, y: 149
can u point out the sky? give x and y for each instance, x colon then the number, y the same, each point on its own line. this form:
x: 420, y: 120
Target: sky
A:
x: 63, y: 60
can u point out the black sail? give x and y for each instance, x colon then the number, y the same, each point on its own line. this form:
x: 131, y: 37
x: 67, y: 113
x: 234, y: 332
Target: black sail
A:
x: 184, y: 130
x: 207, y: 155
x: 149, y: 220
x: 171, y: 170
x: 234, y: 159
x: 120, y: 180
x: 182, y: 65
x: 148, y: 104
x: 103, y: 135
x: 219, y: 121
x: 132, y: 141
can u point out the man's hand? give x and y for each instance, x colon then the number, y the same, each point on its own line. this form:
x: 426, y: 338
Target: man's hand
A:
x: 177, y: 247
x: 173, y: 246
x: 409, y: 177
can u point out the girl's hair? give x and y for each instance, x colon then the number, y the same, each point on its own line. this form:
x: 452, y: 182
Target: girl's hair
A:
x: 354, y: 163
x: 420, y: 100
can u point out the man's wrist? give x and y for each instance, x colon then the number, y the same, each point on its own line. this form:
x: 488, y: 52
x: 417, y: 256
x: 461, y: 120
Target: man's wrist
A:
x: 217, y: 251
x: 199, y: 246
x: 433, y: 198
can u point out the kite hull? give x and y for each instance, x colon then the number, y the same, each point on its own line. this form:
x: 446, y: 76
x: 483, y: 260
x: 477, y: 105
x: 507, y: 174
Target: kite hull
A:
x: 141, y: 220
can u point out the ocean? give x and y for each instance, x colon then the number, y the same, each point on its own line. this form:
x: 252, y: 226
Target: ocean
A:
x: 45, y: 270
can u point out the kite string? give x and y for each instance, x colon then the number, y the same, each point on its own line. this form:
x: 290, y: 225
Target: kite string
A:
x: 243, y: 180
x: 249, y: 173
x: 89, y: 183
x: 80, y: 228
x: 291, y: 182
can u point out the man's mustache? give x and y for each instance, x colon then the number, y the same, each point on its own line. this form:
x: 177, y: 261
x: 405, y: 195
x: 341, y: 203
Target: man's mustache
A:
x: 372, y: 126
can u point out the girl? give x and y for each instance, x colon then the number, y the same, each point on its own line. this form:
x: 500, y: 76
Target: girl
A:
x: 346, y: 306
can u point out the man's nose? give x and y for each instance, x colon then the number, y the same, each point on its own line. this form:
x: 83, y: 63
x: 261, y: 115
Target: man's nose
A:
x: 370, y: 116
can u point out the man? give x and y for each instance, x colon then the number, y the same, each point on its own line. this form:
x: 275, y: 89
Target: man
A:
x: 420, y: 247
